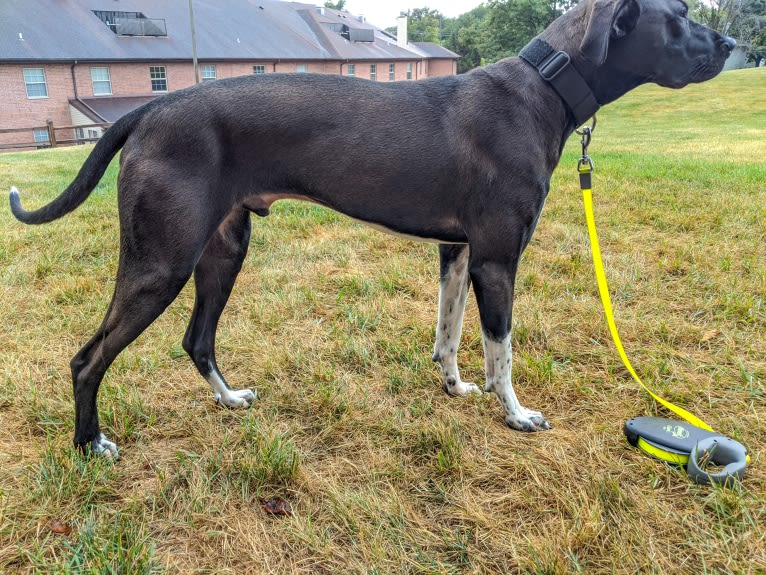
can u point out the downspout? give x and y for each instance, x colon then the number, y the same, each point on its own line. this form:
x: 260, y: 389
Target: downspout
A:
x: 77, y: 96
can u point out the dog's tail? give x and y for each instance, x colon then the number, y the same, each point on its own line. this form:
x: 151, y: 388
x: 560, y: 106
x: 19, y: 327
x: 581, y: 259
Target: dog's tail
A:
x: 88, y: 177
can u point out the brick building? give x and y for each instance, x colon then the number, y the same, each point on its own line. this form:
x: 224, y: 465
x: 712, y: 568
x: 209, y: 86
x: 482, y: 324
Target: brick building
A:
x: 84, y: 62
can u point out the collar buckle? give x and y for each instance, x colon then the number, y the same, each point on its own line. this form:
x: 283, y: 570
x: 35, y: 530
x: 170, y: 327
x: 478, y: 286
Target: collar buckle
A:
x: 554, y: 65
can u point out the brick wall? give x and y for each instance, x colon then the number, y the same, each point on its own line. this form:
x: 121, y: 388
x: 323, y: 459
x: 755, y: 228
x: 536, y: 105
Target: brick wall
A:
x: 441, y: 68
x: 19, y: 111
x: 133, y: 79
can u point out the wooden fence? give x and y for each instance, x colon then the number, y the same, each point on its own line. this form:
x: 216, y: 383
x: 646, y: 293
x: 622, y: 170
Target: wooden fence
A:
x: 53, y: 141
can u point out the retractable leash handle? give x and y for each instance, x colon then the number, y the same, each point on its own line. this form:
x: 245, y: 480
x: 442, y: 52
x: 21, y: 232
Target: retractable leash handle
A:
x: 684, y: 444
x: 701, y: 445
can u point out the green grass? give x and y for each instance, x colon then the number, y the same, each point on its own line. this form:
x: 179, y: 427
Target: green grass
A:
x: 332, y: 323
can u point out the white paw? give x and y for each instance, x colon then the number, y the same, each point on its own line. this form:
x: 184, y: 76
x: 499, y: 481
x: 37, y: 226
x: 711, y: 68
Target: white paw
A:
x: 526, y: 420
x: 455, y: 386
x: 102, y: 447
x: 236, y: 398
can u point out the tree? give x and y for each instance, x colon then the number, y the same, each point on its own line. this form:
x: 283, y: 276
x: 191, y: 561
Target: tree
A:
x: 492, y: 31
x: 757, y: 52
x: 743, y: 20
x: 467, y: 35
x: 339, y: 5
x: 731, y: 17
x: 424, y: 25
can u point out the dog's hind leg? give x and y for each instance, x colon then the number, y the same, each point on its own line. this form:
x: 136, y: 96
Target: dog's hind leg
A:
x: 493, y: 281
x: 144, y: 288
x: 214, y: 278
x: 453, y: 291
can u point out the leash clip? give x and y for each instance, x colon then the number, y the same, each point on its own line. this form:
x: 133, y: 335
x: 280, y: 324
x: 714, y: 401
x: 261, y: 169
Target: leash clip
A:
x: 585, y: 166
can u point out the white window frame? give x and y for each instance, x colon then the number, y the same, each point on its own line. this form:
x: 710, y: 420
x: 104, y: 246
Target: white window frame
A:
x: 301, y: 68
x: 42, y: 137
x: 259, y: 69
x: 154, y: 76
x: 208, y: 72
x: 101, y: 82
x: 409, y: 70
x: 351, y: 70
x: 373, y: 72
x: 391, y: 72
x: 28, y: 82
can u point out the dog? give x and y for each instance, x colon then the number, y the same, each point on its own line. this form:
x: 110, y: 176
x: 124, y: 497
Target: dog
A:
x: 464, y: 161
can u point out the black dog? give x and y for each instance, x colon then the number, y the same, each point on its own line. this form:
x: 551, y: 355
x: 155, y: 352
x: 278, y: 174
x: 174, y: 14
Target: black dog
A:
x: 464, y: 161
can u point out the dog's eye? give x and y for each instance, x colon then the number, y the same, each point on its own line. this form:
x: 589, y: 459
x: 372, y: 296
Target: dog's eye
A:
x: 684, y: 10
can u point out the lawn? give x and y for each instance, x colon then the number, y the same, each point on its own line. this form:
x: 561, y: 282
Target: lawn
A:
x: 333, y: 324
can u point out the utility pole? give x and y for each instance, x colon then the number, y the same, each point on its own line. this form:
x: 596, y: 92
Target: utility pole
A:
x: 194, y: 43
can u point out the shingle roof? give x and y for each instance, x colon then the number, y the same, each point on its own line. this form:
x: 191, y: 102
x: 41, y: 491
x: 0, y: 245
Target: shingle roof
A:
x: 56, y: 30
x: 109, y: 109
x: 431, y: 50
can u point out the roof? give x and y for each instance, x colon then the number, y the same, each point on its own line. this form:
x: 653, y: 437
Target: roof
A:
x: 55, y: 30
x: 109, y: 109
x: 431, y: 50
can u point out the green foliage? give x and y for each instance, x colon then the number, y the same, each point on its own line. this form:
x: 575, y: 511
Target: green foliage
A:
x: 489, y: 32
x: 513, y: 23
x: 424, y: 25
x: 744, y: 20
x: 339, y: 5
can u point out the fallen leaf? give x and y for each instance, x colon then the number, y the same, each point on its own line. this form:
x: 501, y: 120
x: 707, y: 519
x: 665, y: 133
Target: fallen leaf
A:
x: 276, y: 506
x: 710, y: 335
x: 60, y: 528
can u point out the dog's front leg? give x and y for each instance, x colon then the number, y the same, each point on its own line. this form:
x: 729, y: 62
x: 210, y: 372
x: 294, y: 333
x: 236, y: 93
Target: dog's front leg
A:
x: 493, y: 284
x: 453, y: 292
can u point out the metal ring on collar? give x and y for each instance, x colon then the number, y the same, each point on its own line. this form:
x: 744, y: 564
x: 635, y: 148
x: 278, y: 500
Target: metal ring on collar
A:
x: 721, y: 451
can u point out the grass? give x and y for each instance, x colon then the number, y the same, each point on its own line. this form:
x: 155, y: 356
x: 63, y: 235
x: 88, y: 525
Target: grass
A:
x: 332, y: 323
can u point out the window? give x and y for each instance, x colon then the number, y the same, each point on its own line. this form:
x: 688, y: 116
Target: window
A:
x: 373, y: 71
x: 302, y: 68
x: 132, y: 23
x: 84, y: 137
x: 391, y: 72
x: 409, y: 70
x: 351, y: 70
x: 159, y: 79
x: 34, y: 78
x: 259, y: 69
x: 42, y: 138
x: 102, y: 82
x: 208, y: 72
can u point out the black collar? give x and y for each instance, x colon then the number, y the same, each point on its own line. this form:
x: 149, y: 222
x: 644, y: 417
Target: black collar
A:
x: 556, y: 68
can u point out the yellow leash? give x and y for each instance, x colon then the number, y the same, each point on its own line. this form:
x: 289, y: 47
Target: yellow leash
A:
x: 603, y: 290
x: 585, y: 167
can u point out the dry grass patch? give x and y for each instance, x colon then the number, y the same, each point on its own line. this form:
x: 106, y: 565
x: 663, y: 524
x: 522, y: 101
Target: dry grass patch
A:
x: 332, y: 323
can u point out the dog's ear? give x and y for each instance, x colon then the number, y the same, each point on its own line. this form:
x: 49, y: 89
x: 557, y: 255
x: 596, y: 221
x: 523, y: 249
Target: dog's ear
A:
x: 608, y: 19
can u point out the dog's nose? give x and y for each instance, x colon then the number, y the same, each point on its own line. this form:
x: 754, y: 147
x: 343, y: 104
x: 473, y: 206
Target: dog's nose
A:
x: 727, y: 43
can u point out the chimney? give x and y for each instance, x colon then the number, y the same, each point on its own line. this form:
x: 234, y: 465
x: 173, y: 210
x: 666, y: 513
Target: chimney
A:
x: 401, y: 30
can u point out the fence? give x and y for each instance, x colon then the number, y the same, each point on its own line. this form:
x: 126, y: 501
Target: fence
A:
x: 52, y: 141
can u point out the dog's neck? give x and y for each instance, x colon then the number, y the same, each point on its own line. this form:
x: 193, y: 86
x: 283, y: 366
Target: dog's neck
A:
x: 556, y: 68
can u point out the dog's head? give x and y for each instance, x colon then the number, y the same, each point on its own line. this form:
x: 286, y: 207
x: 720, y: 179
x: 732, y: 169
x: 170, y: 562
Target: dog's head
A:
x: 650, y: 41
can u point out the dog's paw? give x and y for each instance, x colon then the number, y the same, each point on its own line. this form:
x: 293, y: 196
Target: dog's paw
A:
x: 455, y: 386
x: 102, y: 447
x: 527, y: 420
x: 236, y: 398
